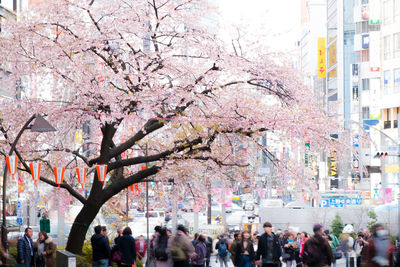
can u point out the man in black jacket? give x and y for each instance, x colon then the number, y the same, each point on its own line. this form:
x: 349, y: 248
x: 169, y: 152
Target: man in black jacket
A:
x: 269, y: 251
x: 101, y: 248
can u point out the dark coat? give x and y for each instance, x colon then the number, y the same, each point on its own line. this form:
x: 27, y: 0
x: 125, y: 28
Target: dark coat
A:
x: 324, y: 248
x: 50, y: 249
x: 101, y: 247
x: 239, y: 251
x: 262, y: 248
x: 291, y: 251
x: 24, y: 250
x: 127, y: 246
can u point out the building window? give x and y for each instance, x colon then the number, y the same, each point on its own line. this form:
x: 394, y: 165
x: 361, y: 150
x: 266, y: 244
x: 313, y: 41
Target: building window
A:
x: 387, y: 46
x: 387, y: 11
x: 396, y: 44
x: 365, y: 55
x: 355, y: 92
x: 396, y: 80
x: 364, y: 2
x: 365, y: 113
x: 387, y: 80
x: 365, y: 84
x: 362, y: 27
x: 387, y: 122
x: 396, y: 9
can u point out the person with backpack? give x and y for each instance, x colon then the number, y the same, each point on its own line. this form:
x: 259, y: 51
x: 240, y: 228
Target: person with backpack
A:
x: 317, y: 251
x: 244, y: 254
x: 269, y: 250
x: 162, y: 245
x: 201, y: 252
x: 222, y: 248
x: 336, y: 252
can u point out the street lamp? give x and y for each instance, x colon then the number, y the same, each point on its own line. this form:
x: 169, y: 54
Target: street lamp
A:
x: 39, y: 125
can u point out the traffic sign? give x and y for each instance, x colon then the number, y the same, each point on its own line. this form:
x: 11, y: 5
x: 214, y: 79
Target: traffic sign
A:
x: 19, y: 213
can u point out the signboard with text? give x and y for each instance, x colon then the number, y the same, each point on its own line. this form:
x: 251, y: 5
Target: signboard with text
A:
x: 321, y: 58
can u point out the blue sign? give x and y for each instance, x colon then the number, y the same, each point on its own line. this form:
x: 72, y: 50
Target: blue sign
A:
x: 339, y: 202
x: 19, y: 213
x: 365, y: 41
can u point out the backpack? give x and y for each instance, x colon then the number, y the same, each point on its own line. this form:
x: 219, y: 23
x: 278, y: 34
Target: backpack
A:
x: 160, y: 251
x: 222, y: 250
x: 312, y: 254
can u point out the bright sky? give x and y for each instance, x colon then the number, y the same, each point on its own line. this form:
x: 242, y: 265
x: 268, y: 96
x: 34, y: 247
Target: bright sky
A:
x: 276, y: 22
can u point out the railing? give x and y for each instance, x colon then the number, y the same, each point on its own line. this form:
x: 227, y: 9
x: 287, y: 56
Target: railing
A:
x: 387, y: 124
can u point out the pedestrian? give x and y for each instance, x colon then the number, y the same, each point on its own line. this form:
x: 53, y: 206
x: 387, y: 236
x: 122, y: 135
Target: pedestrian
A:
x: 244, y: 254
x: 25, y: 249
x: 380, y: 249
x: 269, y: 250
x: 3, y: 253
x: 232, y: 249
x: 162, y: 249
x: 141, y: 248
x: 290, y: 249
x: 104, y: 232
x: 366, y: 238
x: 298, y: 240
x: 201, y: 252
x: 115, y: 253
x: 346, y: 246
x: 100, y: 247
x: 182, y: 249
x: 127, y: 246
x: 304, y: 238
x: 209, y: 244
x: 317, y: 251
x: 222, y: 250
x: 334, y: 244
x: 194, y: 241
x: 45, y: 249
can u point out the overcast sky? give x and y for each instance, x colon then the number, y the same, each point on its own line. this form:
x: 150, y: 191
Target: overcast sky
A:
x: 276, y: 22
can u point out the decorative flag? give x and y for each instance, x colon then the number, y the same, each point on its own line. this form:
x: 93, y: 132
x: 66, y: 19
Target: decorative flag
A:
x: 35, y: 170
x: 137, y: 189
x: 59, y: 175
x: 101, y: 172
x: 20, y: 185
x: 81, y: 172
x: 12, y: 165
x: 133, y: 187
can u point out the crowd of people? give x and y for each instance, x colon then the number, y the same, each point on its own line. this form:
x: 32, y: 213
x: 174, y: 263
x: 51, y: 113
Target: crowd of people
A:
x: 269, y: 249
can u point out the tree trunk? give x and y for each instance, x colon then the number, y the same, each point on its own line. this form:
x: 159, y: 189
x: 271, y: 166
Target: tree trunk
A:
x: 81, y: 225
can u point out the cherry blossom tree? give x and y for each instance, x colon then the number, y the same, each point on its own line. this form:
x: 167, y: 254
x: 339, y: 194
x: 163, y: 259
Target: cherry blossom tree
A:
x: 156, y: 85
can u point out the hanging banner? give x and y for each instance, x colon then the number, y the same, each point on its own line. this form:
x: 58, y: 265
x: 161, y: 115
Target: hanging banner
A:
x: 59, y: 175
x: 81, y: 173
x: 321, y: 58
x: 12, y: 165
x: 101, y: 172
x: 35, y: 170
x: 21, y: 188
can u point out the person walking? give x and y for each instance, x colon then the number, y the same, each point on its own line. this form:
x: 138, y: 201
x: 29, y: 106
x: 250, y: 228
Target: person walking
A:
x: 201, y: 252
x: 232, y: 249
x: 346, y: 246
x: 100, y: 247
x: 25, y: 251
x: 317, y: 251
x: 268, y: 250
x: 115, y: 252
x: 244, y: 254
x: 127, y: 246
x: 380, y: 249
x: 222, y: 248
x: 45, y: 249
x: 182, y: 249
x: 141, y: 248
x: 162, y: 249
x: 209, y: 244
x: 290, y: 249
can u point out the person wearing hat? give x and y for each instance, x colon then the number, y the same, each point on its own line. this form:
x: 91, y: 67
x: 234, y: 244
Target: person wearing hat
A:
x: 317, y: 251
x: 268, y: 251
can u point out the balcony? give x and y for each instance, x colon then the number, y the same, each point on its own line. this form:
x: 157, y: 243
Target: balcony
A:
x: 395, y: 124
x: 387, y: 124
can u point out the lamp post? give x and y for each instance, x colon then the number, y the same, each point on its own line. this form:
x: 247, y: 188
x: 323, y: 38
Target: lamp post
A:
x: 39, y: 125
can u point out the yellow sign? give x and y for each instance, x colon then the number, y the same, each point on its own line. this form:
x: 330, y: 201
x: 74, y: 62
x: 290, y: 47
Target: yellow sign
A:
x: 392, y: 168
x: 321, y: 58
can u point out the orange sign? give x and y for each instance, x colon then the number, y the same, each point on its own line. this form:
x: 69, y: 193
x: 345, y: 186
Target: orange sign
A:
x: 321, y: 58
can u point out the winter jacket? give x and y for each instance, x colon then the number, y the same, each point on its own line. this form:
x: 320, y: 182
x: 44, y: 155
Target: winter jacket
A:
x: 371, y: 252
x: 232, y: 250
x: 183, y: 241
x: 50, y: 249
x: 201, y: 253
x: 262, y: 249
x: 291, y: 250
x: 141, y: 255
x: 324, y: 248
x: 25, y: 250
x: 127, y: 247
x: 101, y: 247
x: 240, y: 250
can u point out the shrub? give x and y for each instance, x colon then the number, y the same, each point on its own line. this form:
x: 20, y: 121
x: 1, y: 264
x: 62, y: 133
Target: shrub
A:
x: 337, y: 226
